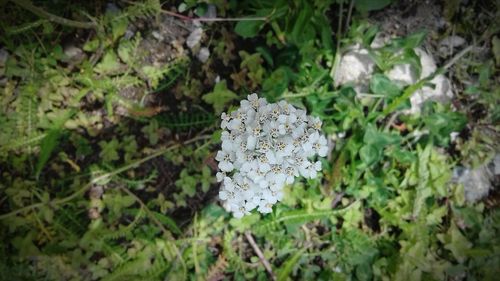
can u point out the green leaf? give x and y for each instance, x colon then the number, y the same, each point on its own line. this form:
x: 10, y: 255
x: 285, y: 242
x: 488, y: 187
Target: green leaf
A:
x: 219, y: 97
x: 248, y: 29
x: 381, y: 85
x: 364, y: 271
x: 300, y: 31
x: 266, y: 54
x: 379, y: 139
x: 326, y: 32
x: 92, y: 45
x: 287, y: 267
x: 435, y: 217
x: 406, y: 94
x: 50, y: 141
x: 46, y: 147
x: 353, y: 216
x: 442, y: 124
x: 151, y: 131
x: 119, y: 27
x: 458, y: 245
x: 299, y: 217
x: 369, y: 154
x: 277, y: 83
x: 168, y: 222
x: 370, y: 5
x: 187, y: 183
x: 495, y: 42
x: 109, y: 150
x: 403, y: 156
x: 245, y: 222
x: 116, y: 203
x: 414, y: 40
x: 109, y: 64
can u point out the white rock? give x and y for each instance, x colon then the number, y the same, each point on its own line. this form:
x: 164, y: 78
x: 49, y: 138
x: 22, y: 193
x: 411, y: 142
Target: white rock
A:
x: 73, y: 54
x: 203, y: 54
x: 476, y: 182
x: 452, y: 42
x: 355, y: 67
x: 441, y: 93
x: 405, y: 75
x: 72, y: 51
x: 194, y: 38
x: 454, y: 136
x: 157, y: 35
x: 402, y: 74
x: 379, y: 41
x: 427, y: 62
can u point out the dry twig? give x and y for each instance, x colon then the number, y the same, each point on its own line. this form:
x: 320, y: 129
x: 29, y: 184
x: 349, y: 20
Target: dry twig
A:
x: 259, y: 253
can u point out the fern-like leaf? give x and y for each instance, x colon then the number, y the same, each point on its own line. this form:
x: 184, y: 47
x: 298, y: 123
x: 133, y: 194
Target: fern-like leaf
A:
x: 159, y: 267
x: 216, y: 272
x: 25, y: 106
x: 139, y: 10
x: 125, y: 231
x: 297, y: 217
x: 232, y: 257
x: 186, y: 121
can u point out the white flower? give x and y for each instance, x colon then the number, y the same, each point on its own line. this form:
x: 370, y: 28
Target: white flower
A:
x: 225, y: 120
x: 291, y: 172
x: 263, y: 164
x: 220, y: 176
x: 249, y: 166
x: 264, y: 147
x: 265, y: 207
x: 225, y: 161
x: 317, y: 144
x: 311, y: 170
x: 253, y: 101
x: 235, y: 125
x: 274, y: 157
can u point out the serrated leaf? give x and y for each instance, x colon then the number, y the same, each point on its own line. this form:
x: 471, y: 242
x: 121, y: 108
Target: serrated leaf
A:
x: 92, y: 45
x: 245, y: 222
x: 299, y: 217
x: 109, y: 64
x: 287, y: 267
x: 168, y: 222
x: 458, y: 245
x: 119, y: 27
x: 219, y: 97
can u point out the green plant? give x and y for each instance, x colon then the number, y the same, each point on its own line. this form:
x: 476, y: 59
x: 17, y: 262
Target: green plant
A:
x: 107, y: 159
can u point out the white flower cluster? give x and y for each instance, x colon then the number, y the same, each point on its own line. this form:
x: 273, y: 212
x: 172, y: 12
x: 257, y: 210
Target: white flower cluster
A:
x: 264, y: 147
